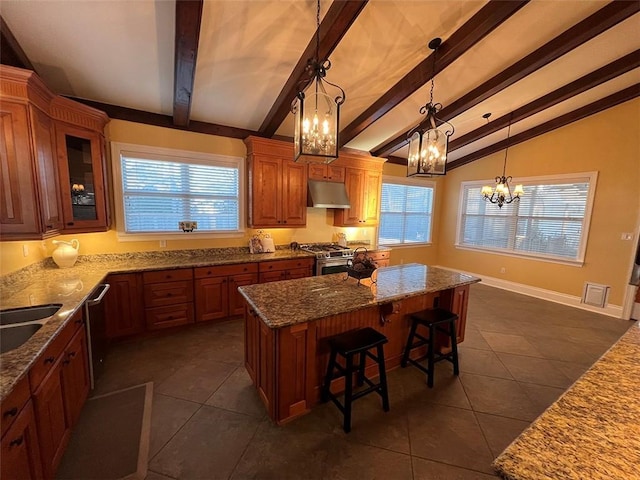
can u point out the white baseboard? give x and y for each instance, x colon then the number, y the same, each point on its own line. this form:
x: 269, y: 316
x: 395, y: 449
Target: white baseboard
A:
x: 635, y: 312
x: 550, y: 295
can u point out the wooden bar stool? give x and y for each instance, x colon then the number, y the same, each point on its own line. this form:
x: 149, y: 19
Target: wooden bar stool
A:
x: 436, y: 320
x: 348, y: 345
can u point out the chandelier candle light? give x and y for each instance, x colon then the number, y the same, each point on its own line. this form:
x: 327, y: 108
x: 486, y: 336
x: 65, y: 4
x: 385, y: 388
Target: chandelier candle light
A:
x: 501, y: 194
x: 428, y: 142
x: 316, y: 112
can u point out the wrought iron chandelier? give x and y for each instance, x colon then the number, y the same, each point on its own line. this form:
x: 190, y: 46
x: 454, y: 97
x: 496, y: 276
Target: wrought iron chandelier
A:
x: 317, y: 113
x: 501, y: 193
x: 428, y: 145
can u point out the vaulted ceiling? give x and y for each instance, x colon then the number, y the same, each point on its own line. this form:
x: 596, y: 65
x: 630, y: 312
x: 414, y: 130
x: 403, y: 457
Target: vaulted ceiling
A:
x: 232, y: 67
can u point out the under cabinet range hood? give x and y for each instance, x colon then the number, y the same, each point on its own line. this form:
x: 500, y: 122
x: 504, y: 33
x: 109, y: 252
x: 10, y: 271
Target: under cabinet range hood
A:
x: 327, y: 195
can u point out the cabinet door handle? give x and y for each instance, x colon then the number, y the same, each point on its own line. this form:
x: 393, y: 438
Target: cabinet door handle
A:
x: 66, y: 362
x: 209, y: 272
x: 49, y: 360
x: 224, y: 280
x: 71, y: 354
x: 17, y: 442
x: 167, y: 276
x: 11, y: 412
x: 49, y: 226
x: 169, y: 294
x: 70, y: 224
x: 170, y: 317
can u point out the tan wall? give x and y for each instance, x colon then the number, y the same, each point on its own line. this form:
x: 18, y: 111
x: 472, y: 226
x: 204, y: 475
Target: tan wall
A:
x: 319, y: 221
x: 608, y: 143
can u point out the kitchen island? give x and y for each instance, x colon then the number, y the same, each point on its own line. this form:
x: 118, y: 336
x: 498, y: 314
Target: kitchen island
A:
x: 288, y: 324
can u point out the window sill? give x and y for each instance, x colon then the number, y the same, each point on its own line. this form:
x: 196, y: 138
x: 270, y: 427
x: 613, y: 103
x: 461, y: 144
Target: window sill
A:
x: 561, y: 261
x: 405, y: 245
x: 142, y: 237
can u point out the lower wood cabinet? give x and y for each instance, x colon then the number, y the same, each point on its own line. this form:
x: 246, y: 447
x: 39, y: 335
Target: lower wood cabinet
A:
x: 124, y: 310
x: 380, y: 258
x: 216, y: 290
x: 54, y: 424
x: 275, y: 270
x: 75, y: 375
x: 20, y: 450
x: 168, y: 298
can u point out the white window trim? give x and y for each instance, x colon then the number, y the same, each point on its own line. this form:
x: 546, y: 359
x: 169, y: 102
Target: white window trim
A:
x: 119, y: 149
x: 592, y: 178
x: 411, y: 182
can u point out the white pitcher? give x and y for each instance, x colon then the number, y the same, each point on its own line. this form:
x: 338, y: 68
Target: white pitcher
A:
x: 66, y: 254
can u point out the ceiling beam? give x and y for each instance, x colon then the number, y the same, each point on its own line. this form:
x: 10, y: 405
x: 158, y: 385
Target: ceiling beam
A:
x: 334, y: 25
x: 159, y: 120
x: 605, y: 18
x: 475, y: 29
x: 188, y: 20
x: 617, y: 98
x: 593, y: 79
x: 11, y: 52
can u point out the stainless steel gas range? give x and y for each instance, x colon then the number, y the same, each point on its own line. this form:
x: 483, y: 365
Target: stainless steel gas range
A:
x: 330, y: 257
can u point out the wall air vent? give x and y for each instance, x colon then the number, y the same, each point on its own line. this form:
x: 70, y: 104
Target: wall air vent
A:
x: 595, y: 294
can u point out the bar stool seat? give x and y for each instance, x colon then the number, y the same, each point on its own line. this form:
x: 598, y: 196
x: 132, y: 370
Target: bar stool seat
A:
x: 435, y: 320
x: 348, y: 345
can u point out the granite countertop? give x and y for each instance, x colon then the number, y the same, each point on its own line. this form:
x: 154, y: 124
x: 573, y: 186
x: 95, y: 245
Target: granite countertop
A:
x: 45, y: 283
x: 285, y: 303
x: 592, y: 431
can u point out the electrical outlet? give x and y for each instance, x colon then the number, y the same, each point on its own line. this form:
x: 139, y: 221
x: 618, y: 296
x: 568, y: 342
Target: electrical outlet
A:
x: 626, y: 236
x: 503, y: 270
x: 25, y: 250
x: 163, y: 243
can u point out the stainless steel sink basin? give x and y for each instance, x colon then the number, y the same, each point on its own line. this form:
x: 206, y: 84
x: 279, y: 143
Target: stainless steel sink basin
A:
x: 13, y: 337
x: 27, y: 314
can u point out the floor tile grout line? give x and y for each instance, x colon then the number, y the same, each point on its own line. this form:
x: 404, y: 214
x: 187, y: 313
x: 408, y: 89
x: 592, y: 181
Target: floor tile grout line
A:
x: 172, y: 436
x: 246, y: 447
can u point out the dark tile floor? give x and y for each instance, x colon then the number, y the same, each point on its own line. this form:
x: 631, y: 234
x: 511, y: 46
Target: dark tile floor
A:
x: 519, y: 355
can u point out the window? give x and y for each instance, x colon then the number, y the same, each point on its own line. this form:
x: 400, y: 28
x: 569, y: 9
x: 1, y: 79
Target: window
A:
x: 157, y: 188
x: 550, y: 221
x: 406, y: 210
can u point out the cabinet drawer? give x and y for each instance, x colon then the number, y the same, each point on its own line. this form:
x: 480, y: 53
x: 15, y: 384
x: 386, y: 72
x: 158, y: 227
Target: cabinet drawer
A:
x: 285, y: 264
x: 170, y: 293
x: 14, y: 402
x: 48, y: 358
x: 165, y: 317
x: 225, y: 270
x: 167, y: 275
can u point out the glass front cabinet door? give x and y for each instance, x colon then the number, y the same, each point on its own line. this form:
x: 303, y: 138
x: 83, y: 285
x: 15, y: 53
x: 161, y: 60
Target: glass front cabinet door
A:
x: 82, y: 179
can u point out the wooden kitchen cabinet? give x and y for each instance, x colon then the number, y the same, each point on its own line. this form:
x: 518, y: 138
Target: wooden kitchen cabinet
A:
x: 363, y: 181
x: 75, y: 375
x: 34, y: 205
x: 276, y: 270
x: 168, y: 298
x: 380, y: 258
x: 30, y: 205
x: 363, y: 188
x: 277, y: 185
x: 327, y: 173
x: 124, y: 309
x: 81, y: 163
x: 54, y: 424
x: 20, y: 450
x: 216, y: 290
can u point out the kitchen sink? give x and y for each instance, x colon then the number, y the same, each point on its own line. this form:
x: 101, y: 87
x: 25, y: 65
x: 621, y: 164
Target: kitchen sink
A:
x: 13, y: 337
x: 27, y: 314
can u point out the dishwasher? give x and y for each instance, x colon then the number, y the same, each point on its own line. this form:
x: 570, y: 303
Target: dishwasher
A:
x: 96, y: 331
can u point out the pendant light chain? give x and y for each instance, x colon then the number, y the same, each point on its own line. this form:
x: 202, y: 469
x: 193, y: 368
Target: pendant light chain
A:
x: 318, y: 32
x: 506, y: 150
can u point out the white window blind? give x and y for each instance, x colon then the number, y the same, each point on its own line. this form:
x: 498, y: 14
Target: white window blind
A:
x: 406, y: 211
x: 550, y: 220
x: 159, y: 193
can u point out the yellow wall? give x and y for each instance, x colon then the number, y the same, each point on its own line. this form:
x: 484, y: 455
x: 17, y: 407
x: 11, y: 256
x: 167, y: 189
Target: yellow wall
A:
x: 609, y: 143
x: 319, y: 221
x: 566, y: 150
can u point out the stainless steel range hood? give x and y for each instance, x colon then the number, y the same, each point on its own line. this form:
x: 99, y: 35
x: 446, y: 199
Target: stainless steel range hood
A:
x: 327, y: 195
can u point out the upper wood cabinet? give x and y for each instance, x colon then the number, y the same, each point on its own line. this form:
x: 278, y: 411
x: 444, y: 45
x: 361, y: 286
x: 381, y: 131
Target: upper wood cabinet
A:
x: 363, y: 181
x: 30, y: 204
x: 277, y: 185
x: 47, y: 142
x: 81, y: 163
x: 327, y: 173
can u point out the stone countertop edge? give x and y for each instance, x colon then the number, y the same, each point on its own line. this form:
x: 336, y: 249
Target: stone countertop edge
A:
x: 289, y: 302
x: 45, y: 283
x: 592, y: 431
